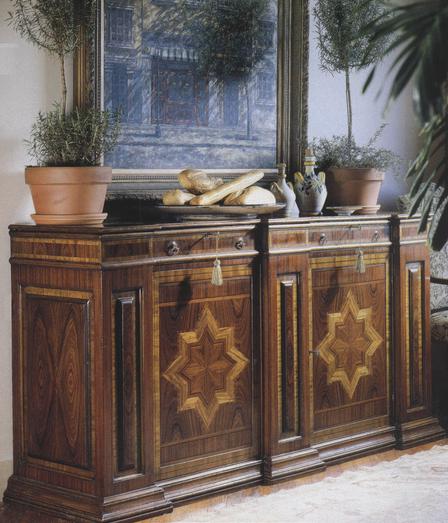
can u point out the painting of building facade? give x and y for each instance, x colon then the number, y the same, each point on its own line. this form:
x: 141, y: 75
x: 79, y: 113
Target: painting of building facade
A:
x: 195, y: 82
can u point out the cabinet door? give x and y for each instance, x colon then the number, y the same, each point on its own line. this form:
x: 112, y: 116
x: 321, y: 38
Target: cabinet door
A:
x: 204, y: 343
x: 349, y: 333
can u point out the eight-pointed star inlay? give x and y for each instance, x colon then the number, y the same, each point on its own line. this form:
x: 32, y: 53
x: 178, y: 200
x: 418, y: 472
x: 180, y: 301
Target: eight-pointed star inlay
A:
x: 349, y: 345
x: 206, y: 368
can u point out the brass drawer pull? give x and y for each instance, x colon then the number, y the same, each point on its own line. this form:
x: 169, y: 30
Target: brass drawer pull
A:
x: 172, y: 249
x: 315, y: 352
x: 376, y: 236
x: 323, y: 239
x: 240, y: 244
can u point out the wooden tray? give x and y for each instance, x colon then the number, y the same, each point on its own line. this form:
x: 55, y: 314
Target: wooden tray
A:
x: 205, y: 212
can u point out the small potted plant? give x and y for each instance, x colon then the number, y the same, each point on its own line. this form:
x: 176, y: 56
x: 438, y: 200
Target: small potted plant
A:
x: 354, y: 173
x: 68, y: 186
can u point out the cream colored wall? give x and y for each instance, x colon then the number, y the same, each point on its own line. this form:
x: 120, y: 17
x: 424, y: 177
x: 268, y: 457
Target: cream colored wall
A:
x: 28, y: 83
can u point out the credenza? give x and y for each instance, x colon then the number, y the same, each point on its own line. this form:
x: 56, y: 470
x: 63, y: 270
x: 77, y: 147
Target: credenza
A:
x: 139, y: 385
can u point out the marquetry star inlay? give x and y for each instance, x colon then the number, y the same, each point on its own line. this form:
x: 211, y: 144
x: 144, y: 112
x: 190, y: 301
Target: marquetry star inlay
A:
x: 206, y: 368
x: 348, y: 347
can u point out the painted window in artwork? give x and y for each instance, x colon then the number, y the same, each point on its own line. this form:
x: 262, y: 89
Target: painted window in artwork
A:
x: 268, y: 32
x: 265, y: 88
x: 119, y: 96
x: 180, y: 96
x: 119, y: 25
x: 231, y: 102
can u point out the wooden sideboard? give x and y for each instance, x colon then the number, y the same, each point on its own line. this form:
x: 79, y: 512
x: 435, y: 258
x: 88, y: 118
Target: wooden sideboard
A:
x: 139, y: 385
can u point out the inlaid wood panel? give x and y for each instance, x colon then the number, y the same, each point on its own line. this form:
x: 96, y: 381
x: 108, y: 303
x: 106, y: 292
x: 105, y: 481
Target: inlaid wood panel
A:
x: 414, y: 335
x: 288, y: 351
x: 127, y: 249
x: 56, y: 249
x: 350, y: 335
x: 127, y: 389
x: 206, y: 364
x: 57, y: 410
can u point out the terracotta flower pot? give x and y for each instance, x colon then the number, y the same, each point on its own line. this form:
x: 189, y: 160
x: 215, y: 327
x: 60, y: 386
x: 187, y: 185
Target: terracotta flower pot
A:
x: 68, y: 195
x: 354, y: 187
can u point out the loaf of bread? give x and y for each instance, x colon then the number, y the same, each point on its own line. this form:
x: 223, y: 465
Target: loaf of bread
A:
x: 251, y: 196
x: 198, y: 182
x: 177, y: 197
x: 218, y: 194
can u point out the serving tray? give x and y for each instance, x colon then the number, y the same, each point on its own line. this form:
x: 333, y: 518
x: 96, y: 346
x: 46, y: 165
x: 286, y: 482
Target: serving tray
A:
x: 204, y: 212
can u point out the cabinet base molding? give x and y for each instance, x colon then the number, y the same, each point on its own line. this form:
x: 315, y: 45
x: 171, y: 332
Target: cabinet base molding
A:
x: 213, y: 481
x: 418, y: 432
x: 357, y: 445
x: 64, y: 503
x: 292, y: 464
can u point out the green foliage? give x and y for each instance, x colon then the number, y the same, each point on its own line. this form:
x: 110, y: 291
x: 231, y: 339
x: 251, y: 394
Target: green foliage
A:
x: 53, y: 25
x: 230, y: 38
x: 339, y: 152
x: 79, y: 138
x: 342, y: 44
x: 420, y: 44
x: 58, y: 138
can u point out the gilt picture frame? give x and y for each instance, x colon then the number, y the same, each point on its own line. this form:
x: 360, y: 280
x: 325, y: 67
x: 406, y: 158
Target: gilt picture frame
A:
x: 161, y: 129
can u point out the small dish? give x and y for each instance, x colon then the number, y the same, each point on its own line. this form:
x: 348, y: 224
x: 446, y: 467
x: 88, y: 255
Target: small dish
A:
x: 345, y: 211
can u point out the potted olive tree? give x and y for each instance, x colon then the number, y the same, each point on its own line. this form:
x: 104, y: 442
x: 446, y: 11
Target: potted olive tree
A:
x: 68, y: 185
x: 354, y: 173
x: 360, y: 184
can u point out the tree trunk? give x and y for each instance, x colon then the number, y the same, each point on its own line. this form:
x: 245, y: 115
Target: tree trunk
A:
x: 64, y: 84
x: 348, y: 94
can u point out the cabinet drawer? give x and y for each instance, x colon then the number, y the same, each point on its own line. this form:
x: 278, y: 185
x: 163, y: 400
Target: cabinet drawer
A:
x: 348, y: 234
x: 231, y: 242
x: 409, y: 232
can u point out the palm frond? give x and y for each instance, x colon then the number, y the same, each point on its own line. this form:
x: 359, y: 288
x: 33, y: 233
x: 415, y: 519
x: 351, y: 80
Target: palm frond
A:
x: 419, y: 33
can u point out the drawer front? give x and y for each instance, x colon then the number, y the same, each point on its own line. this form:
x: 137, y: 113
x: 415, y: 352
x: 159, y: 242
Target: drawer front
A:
x: 324, y: 235
x: 172, y: 246
x: 348, y: 234
x: 409, y: 232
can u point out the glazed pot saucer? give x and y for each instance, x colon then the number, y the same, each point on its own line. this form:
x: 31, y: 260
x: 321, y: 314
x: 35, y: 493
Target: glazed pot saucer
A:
x: 69, y: 219
x: 345, y: 210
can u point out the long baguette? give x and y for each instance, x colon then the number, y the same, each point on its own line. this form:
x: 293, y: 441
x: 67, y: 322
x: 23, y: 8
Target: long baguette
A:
x: 218, y: 194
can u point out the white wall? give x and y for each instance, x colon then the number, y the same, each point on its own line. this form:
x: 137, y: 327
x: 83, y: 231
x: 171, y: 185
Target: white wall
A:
x: 327, y: 112
x: 28, y: 83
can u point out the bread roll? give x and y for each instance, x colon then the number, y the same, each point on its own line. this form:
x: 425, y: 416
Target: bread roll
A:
x: 177, y: 197
x: 198, y: 182
x: 251, y: 196
x: 239, y: 184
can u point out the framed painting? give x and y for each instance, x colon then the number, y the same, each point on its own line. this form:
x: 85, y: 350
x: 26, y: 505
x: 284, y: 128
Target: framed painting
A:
x: 219, y: 85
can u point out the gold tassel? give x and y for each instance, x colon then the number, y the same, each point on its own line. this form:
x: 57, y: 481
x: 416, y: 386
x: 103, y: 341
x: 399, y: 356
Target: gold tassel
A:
x: 217, y: 274
x: 217, y: 271
x: 360, y: 264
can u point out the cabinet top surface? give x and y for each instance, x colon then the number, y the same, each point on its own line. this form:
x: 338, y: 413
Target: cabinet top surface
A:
x: 129, y: 228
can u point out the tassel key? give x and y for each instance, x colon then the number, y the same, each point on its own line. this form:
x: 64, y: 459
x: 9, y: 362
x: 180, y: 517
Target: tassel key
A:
x: 360, y: 263
x: 217, y: 271
x: 217, y: 274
